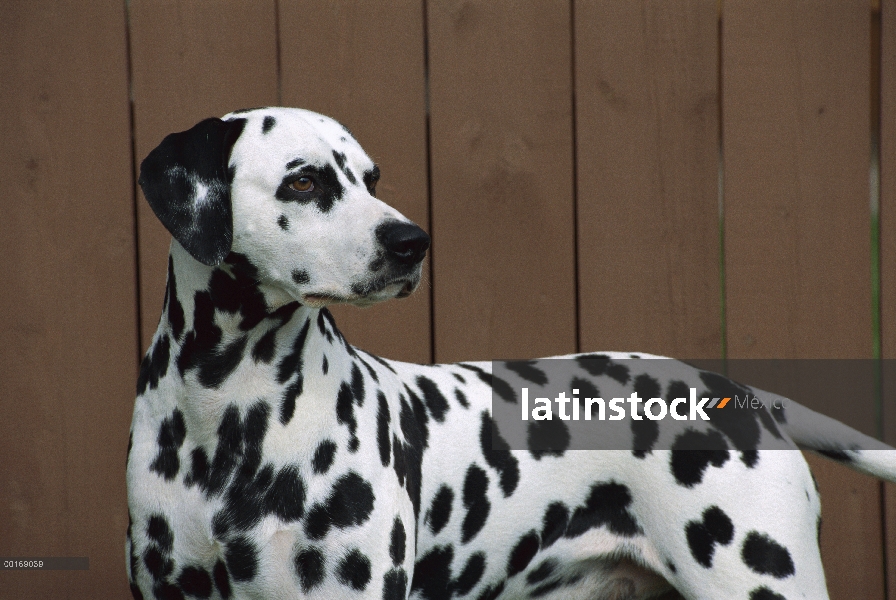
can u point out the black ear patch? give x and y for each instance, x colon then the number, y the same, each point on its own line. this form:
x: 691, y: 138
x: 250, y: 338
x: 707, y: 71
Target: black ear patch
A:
x: 187, y: 184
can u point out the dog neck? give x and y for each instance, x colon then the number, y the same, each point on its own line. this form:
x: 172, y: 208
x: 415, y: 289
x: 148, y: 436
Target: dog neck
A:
x: 229, y: 336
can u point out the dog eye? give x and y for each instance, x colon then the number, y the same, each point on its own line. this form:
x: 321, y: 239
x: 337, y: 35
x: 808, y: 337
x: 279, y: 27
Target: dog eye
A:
x: 302, y: 184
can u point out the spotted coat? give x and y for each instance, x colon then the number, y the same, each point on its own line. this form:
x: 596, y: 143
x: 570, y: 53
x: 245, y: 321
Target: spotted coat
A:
x: 269, y: 458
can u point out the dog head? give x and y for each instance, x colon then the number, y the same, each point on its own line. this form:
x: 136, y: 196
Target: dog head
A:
x: 292, y: 192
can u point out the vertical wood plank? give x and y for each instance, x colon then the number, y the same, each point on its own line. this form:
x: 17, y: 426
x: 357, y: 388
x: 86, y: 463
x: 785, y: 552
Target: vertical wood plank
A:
x: 798, y: 285
x: 363, y: 64
x: 647, y: 154
x: 67, y: 316
x: 189, y: 61
x: 502, y: 184
x: 888, y: 259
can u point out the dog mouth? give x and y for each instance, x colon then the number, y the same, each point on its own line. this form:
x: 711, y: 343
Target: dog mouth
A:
x: 364, y: 295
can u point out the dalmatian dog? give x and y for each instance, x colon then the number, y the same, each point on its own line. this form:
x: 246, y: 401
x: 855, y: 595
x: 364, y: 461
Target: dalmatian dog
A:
x: 268, y: 458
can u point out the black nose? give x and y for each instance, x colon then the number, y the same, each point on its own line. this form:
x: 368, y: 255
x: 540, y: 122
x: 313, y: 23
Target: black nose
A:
x: 405, y: 242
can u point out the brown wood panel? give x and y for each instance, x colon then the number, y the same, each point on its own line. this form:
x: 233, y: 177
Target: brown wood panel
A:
x: 363, y: 64
x: 502, y: 178
x: 796, y: 147
x: 67, y: 317
x: 189, y: 61
x: 647, y: 153
x: 888, y: 258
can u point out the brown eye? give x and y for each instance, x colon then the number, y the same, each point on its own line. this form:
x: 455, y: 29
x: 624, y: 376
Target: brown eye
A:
x: 302, y: 184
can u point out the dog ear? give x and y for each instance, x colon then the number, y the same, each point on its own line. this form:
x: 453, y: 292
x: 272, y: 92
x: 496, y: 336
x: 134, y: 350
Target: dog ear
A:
x: 187, y: 183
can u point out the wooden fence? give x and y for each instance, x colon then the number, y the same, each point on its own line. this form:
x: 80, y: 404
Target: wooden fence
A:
x: 569, y: 157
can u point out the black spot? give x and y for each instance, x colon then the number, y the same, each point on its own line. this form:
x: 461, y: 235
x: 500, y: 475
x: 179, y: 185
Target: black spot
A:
x: 300, y: 276
x: 550, y: 586
x: 349, y: 504
x: 554, y: 523
x: 218, y: 367
x: 325, y: 366
x: 296, y: 162
x: 268, y: 123
x: 222, y: 579
x: 497, y: 454
x: 286, y: 496
x: 461, y: 398
x: 671, y: 566
x: 498, y: 385
x: 175, y: 308
x: 158, y: 531
x: 370, y: 179
x: 323, y: 456
x: 522, y: 554
x: 599, y: 364
x: 167, y: 591
x: 354, y: 570
x: 491, y: 592
x: 264, y: 348
x: 703, y: 535
x: 345, y: 401
x: 740, y: 426
x: 242, y: 559
x: 289, y: 365
x: 395, y: 584
x: 750, y: 458
x: 370, y: 370
x: 470, y: 575
x: 309, y: 564
x: 435, y: 401
x: 322, y: 326
x: 154, y: 365
x: 381, y: 361
x: 547, y: 438
x: 288, y: 403
x: 283, y: 222
x: 541, y: 572
x: 157, y: 563
x: 693, y: 451
x: 254, y: 428
x: 439, y: 511
x: 766, y: 556
x: 345, y: 414
x: 645, y: 431
x: 238, y: 291
x: 397, y: 545
x: 171, y: 436
x: 382, y: 429
x: 763, y: 593
x: 248, y: 497
x: 195, y: 581
x: 476, y: 503
x: 340, y: 160
x: 407, y: 461
x: 211, y: 478
x: 586, y: 390
x: 606, y: 506
x: 432, y: 574
x: 527, y: 370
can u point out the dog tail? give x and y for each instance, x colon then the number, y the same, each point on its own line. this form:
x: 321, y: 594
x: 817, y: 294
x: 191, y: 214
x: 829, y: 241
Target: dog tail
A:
x: 837, y: 441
